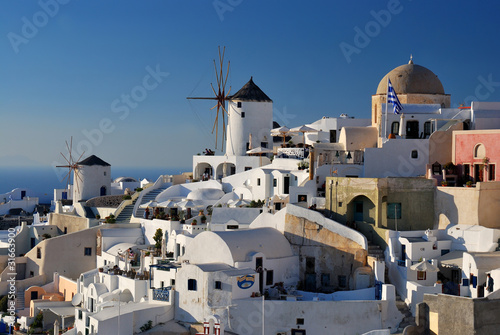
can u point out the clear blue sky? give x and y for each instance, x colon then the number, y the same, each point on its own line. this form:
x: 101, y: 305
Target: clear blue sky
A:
x: 69, y: 74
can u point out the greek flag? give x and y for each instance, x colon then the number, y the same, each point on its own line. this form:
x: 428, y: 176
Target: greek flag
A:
x: 393, y: 98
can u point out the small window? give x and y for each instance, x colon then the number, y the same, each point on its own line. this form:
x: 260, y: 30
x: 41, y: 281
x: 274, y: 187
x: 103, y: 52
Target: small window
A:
x: 394, y: 210
x: 395, y: 128
x: 80, y: 314
x: 414, y: 154
x: 258, y: 181
x: 88, y: 251
x: 38, y: 252
x: 104, y: 172
x: 172, y: 282
x: 302, y: 197
x: 340, y: 203
x: 325, y: 279
x: 263, y: 144
x: 242, y: 115
x: 275, y: 182
x: 32, y: 274
x: 65, y: 230
x: 427, y: 129
x: 248, y: 168
x: 218, y: 285
x: 300, y: 321
x: 342, y: 281
x: 269, y: 277
x: 232, y: 226
x: 192, y: 285
x: 421, y: 275
x: 479, y: 151
x: 239, y: 104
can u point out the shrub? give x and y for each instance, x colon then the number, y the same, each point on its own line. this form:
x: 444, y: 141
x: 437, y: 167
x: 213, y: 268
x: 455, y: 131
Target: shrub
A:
x: 158, y: 237
x: 127, y: 197
x: 147, y: 326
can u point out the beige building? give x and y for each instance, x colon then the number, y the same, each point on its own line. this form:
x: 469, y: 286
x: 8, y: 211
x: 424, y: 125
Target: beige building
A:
x: 414, y: 84
x: 391, y: 203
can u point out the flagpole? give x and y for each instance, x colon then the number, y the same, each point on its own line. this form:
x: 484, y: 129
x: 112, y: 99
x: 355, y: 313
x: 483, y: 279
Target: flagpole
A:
x: 386, y: 102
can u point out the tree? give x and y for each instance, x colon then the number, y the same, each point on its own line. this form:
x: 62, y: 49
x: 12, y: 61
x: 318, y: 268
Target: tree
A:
x: 158, y: 237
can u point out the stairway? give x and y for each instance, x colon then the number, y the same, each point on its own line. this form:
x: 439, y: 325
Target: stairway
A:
x: 408, y: 319
x: 126, y: 214
x: 148, y: 197
x: 20, y: 299
x: 375, y: 251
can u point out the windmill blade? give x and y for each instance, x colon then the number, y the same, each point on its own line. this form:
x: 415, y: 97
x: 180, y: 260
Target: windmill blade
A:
x: 65, y: 159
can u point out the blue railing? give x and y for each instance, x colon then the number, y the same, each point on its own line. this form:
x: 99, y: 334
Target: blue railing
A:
x: 161, y: 294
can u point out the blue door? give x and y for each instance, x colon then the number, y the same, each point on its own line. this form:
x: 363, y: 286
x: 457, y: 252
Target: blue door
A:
x: 358, y: 211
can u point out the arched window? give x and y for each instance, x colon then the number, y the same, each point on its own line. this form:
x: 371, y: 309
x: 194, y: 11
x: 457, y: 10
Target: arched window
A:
x: 479, y: 151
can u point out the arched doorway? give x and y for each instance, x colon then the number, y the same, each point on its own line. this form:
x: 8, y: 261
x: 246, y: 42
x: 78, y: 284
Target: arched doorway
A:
x: 361, y: 209
x: 103, y: 190
x: 203, y: 171
x: 225, y: 169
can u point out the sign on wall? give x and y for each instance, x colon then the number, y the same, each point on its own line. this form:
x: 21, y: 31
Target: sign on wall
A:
x: 245, y: 281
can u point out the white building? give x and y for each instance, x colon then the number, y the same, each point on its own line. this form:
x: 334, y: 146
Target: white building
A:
x: 93, y: 179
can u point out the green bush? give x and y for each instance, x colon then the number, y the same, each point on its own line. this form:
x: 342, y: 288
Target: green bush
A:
x: 127, y: 197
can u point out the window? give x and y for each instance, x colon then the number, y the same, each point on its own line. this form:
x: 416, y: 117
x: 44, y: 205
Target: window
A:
x: 414, y: 154
x: 258, y: 181
x: 65, y: 230
x: 242, y: 114
x: 342, y: 281
x: 302, y: 197
x: 172, y: 282
x: 479, y: 151
x: 395, y: 128
x: 333, y: 136
x: 232, y: 226
x: 32, y: 274
x: 192, y: 285
x: 421, y: 275
x: 300, y: 321
x: 34, y: 295
x: 218, y: 285
x: 239, y: 104
x: 325, y: 279
x: 394, y: 210
x: 80, y: 314
x: 275, y: 182
x: 269, y: 277
x: 248, y: 168
x: 263, y: 144
x: 104, y: 172
x: 340, y: 203
x: 38, y: 252
x: 491, y: 172
x: 466, y: 170
x: 88, y: 251
x: 427, y: 129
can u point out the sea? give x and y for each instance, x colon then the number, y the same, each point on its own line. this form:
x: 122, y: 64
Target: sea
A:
x: 43, y: 180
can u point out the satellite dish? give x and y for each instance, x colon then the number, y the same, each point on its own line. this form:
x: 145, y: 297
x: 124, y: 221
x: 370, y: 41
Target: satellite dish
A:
x: 77, y: 299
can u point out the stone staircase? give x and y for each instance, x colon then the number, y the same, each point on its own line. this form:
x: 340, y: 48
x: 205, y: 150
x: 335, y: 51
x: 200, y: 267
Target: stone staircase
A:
x: 126, y: 213
x: 375, y: 251
x: 408, y: 319
x: 20, y: 299
x: 148, y: 197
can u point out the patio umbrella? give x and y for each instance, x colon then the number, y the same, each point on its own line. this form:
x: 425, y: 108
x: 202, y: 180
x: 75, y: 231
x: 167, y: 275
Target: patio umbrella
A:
x: 424, y: 266
x: 402, y: 126
x: 151, y: 203
x: 168, y: 204
x: 281, y: 131
x: 303, y: 129
x: 259, y: 151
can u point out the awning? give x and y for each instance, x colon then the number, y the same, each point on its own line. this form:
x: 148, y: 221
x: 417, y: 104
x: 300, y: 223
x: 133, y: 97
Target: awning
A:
x: 452, y: 259
x: 424, y: 266
x: 63, y: 311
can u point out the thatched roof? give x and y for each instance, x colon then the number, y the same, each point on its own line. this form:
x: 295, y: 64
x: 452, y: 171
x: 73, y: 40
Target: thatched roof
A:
x: 93, y: 160
x: 251, y: 92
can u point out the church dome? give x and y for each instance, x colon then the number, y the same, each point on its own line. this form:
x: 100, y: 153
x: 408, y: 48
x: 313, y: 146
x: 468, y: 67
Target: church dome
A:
x: 412, y: 79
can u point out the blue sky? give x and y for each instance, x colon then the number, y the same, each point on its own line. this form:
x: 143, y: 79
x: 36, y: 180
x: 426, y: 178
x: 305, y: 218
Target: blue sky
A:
x: 67, y: 64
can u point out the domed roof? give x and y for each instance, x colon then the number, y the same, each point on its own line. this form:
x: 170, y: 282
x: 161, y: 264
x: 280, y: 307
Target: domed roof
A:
x: 412, y: 78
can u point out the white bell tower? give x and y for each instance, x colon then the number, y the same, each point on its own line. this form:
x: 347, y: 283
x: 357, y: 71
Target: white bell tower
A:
x: 250, y: 120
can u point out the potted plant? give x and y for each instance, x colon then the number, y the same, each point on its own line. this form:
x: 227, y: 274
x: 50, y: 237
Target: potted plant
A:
x: 469, y: 183
x: 203, y: 219
x: 449, y: 167
x: 194, y: 222
x: 444, y: 183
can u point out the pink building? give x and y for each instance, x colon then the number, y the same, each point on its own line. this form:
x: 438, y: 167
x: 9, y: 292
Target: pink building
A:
x: 476, y: 154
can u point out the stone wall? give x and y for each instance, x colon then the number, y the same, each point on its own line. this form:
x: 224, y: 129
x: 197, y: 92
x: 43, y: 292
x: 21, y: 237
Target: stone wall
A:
x: 72, y: 223
x: 334, y: 255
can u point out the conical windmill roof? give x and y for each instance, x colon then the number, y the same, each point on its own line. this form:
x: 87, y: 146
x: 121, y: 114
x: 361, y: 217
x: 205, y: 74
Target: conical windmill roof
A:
x: 93, y: 160
x: 250, y: 92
